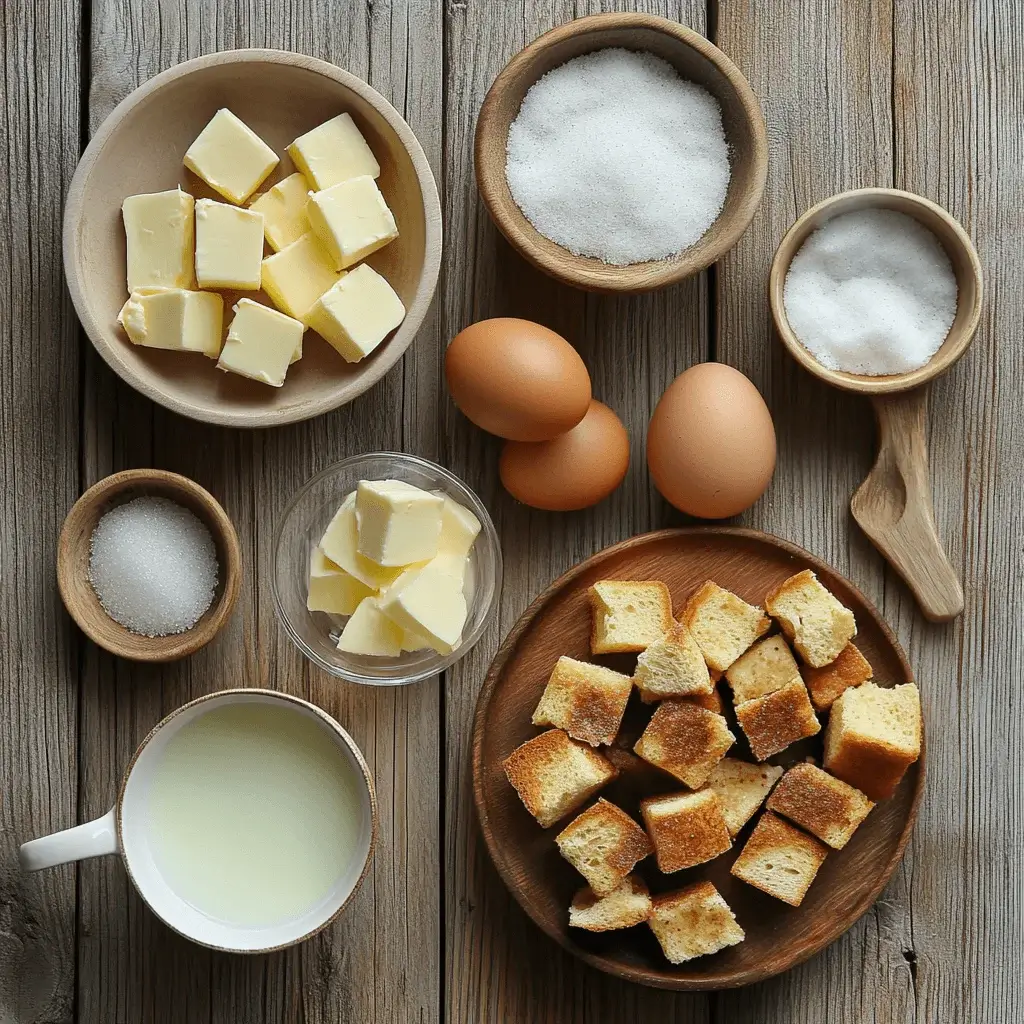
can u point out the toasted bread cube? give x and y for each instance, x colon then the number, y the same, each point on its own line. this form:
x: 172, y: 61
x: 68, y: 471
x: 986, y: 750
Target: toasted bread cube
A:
x: 686, y: 829
x: 780, y: 860
x: 627, y: 905
x: 768, y: 666
x: 873, y: 736
x: 693, y: 922
x: 672, y: 666
x: 818, y: 625
x: 684, y: 740
x: 629, y: 615
x: 554, y: 775
x: 723, y: 624
x: 826, y: 807
x: 825, y: 684
x: 587, y: 701
x: 708, y: 701
x: 603, y: 844
x: 741, y: 788
x: 777, y: 719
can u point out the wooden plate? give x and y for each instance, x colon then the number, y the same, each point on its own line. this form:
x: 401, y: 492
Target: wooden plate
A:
x: 557, y: 623
x: 139, y: 148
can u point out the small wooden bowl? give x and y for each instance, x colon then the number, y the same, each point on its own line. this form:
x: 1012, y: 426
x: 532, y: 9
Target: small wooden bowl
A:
x: 958, y: 247
x: 73, y: 549
x: 139, y: 148
x: 893, y: 505
x: 697, y: 60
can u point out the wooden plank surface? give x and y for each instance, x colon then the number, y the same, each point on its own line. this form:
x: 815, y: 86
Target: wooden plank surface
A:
x: 39, y: 481
x: 921, y: 94
x: 381, y: 961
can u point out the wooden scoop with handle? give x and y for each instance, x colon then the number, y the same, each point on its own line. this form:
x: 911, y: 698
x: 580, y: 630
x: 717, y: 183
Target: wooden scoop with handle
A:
x: 893, y: 506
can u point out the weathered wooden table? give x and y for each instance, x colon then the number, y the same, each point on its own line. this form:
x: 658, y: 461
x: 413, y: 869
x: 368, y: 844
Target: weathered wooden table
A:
x: 920, y: 94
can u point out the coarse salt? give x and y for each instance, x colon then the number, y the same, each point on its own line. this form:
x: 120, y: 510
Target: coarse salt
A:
x: 613, y: 155
x: 153, y: 565
x: 871, y: 292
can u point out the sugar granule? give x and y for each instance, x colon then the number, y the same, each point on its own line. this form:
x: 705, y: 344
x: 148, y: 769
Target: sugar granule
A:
x: 153, y: 565
x: 613, y: 155
x: 871, y: 292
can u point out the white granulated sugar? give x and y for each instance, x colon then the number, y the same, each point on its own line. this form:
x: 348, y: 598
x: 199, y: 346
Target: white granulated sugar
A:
x: 153, y: 566
x: 613, y: 155
x: 871, y: 292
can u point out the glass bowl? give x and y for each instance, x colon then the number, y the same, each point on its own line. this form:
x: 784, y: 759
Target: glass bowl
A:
x: 303, y: 524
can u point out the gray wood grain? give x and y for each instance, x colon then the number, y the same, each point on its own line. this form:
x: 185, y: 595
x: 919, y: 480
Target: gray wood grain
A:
x: 39, y: 423
x: 381, y: 961
x: 499, y: 966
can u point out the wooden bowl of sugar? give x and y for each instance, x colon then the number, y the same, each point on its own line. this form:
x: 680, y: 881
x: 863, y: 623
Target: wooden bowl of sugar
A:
x: 620, y: 260
x: 74, y: 551
x: 139, y: 149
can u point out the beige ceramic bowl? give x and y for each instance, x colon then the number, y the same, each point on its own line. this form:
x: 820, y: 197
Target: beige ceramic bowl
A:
x: 695, y: 59
x: 139, y: 148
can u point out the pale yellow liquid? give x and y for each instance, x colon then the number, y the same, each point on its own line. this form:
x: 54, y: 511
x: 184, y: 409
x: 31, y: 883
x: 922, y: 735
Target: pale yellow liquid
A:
x: 254, y: 813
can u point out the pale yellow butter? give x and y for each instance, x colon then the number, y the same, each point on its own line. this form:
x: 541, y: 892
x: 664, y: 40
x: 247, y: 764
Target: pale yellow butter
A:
x: 351, y: 220
x: 175, y: 319
x: 230, y: 157
x: 298, y: 275
x: 160, y: 231
x: 260, y: 343
x: 229, y: 246
x: 369, y: 631
x: 398, y: 524
x: 459, y: 529
x: 331, y: 589
x: 284, y: 211
x: 340, y: 543
x: 430, y: 603
x: 357, y: 314
x: 333, y: 152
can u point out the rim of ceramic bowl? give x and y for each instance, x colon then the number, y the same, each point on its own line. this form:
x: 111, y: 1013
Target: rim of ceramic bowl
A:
x: 347, y: 741
x: 487, y: 529
x: 415, y: 313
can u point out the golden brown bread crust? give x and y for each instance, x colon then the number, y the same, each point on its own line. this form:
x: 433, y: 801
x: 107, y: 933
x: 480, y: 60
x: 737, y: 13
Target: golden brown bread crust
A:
x: 596, y: 606
x: 708, y: 701
x: 826, y: 807
x: 694, y: 834
x: 596, y: 699
x: 684, y: 740
x: 770, y: 835
x: 826, y: 684
x: 772, y: 722
x: 586, y: 898
x: 710, y: 592
x: 872, y: 766
x: 526, y: 764
x: 632, y: 843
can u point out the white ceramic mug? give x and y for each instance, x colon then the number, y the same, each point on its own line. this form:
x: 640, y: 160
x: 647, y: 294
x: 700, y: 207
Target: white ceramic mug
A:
x: 122, y: 830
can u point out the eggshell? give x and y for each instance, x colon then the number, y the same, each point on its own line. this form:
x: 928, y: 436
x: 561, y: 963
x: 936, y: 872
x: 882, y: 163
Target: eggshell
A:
x: 572, y: 471
x: 517, y: 379
x: 711, y: 442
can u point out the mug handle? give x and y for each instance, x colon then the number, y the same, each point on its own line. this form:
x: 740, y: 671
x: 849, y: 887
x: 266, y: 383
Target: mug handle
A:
x: 92, y: 839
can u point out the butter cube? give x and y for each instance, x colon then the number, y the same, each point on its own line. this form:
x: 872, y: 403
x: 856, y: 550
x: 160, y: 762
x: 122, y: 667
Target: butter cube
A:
x: 333, y: 152
x: 284, y: 211
x: 175, y: 319
x: 413, y: 642
x: 459, y: 529
x: 229, y: 246
x: 331, y: 589
x: 430, y: 603
x: 351, y: 220
x: 399, y: 524
x: 369, y: 631
x: 230, y: 157
x: 160, y: 230
x: 260, y: 344
x: 298, y: 275
x: 340, y: 543
x: 357, y: 314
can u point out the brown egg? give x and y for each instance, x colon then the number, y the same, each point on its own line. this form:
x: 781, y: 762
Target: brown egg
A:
x: 517, y: 379
x: 711, y: 442
x: 573, y: 471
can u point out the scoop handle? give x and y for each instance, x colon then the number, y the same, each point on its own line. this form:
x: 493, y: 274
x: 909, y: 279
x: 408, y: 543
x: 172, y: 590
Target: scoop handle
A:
x: 92, y: 839
x: 894, y: 506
